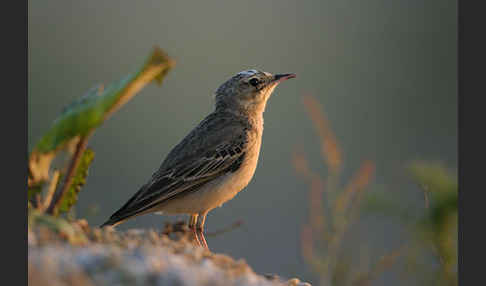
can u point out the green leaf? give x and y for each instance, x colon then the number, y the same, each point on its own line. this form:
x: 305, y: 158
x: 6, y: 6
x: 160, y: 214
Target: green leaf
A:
x: 434, y: 178
x: 89, y: 111
x: 439, y: 223
x: 443, y: 188
x: 79, y: 179
x: 80, y: 118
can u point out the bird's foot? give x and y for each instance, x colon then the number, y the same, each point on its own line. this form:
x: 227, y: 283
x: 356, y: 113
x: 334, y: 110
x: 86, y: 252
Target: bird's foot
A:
x: 203, y: 239
x: 195, y: 236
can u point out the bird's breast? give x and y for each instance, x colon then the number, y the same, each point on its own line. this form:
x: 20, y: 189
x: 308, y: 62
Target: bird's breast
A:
x: 245, y: 173
x: 224, y: 188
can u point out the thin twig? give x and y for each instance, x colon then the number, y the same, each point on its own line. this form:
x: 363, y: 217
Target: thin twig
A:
x: 80, y: 147
x: 235, y: 225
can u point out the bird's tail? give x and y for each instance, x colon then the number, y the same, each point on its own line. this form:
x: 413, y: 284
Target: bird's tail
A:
x: 112, y: 222
x: 108, y: 223
x: 117, y: 219
x: 124, y: 213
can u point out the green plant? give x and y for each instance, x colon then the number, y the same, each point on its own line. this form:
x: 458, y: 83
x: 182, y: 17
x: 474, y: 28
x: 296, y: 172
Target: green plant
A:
x: 433, y: 228
x: 71, y: 131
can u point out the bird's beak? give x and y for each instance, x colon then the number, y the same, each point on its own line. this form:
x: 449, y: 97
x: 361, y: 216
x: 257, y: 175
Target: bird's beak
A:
x: 278, y: 78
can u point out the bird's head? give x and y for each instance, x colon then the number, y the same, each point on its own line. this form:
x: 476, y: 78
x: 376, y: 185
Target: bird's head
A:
x: 248, y: 90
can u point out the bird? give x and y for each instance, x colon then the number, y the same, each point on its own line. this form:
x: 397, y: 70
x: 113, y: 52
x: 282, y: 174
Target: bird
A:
x: 215, y: 161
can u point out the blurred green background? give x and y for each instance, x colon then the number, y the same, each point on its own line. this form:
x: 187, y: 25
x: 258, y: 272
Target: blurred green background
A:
x: 384, y: 71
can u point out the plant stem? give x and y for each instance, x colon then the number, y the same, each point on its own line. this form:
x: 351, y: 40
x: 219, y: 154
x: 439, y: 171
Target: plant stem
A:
x: 80, y: 147
x: 50, y: 192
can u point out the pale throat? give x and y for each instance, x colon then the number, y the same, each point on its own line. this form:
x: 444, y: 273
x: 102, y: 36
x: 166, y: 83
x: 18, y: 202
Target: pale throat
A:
x: 260, y: 106
x: 256, y: 109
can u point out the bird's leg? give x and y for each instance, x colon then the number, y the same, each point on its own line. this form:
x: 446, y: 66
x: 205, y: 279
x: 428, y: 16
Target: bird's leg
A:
x: 200, y: 229
x: 192, y: 226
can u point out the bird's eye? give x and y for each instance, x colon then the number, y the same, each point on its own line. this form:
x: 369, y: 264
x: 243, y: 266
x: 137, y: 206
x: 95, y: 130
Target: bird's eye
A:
x: 254, y: 81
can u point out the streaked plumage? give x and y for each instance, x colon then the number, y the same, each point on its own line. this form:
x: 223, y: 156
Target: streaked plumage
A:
x: 215, y: 160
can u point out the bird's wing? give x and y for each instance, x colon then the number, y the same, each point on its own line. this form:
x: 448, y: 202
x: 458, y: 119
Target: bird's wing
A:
x: 216, y: 147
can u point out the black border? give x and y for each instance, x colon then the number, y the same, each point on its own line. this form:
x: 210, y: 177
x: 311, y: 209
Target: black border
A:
x: 14, y: 141
x: 471, y: 83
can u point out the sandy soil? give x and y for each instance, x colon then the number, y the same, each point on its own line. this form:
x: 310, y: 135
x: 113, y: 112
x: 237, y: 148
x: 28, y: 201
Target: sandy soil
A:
x: 72, y: 253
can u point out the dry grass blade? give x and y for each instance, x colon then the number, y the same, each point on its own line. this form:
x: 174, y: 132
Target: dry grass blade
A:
x: 381, y: 266
x: 301, y: 164
x: 358, y: 183
x: 307, y: 243
x: 316, y: 210
x: 330, y: 216
x: 329, y: 146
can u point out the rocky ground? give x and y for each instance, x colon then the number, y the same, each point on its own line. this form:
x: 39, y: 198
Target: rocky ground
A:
x: 72, y: 253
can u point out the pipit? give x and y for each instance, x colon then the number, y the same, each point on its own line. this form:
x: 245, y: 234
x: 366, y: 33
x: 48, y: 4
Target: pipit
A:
x: 215, y: 161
